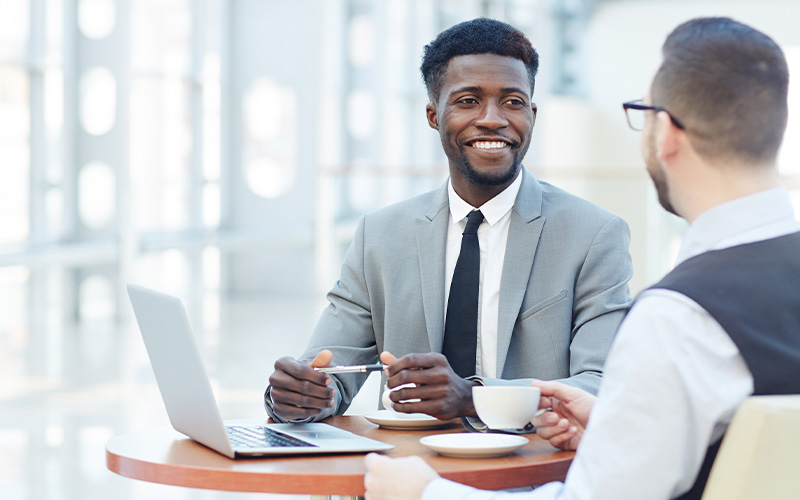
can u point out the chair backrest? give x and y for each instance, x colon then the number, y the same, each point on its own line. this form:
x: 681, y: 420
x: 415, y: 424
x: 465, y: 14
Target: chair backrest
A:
x: 760, y: 455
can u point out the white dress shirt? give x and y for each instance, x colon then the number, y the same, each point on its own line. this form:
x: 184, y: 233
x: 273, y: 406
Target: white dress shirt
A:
x: 492, y: 238
x: 672, y: 380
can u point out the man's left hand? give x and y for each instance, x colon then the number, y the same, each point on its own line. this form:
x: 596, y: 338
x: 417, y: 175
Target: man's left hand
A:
x: 441, y: 393
x: 396, y: 478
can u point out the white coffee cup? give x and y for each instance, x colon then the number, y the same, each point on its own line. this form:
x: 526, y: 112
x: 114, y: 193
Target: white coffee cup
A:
x: 389, y: 404
x: 506, y: 406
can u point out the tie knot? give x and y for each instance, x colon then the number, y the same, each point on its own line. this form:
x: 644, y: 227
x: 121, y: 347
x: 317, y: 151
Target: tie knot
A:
x: 474, y: 220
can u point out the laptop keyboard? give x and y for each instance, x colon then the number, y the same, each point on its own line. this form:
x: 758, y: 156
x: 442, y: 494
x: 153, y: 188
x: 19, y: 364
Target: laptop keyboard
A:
x: 262, y: 437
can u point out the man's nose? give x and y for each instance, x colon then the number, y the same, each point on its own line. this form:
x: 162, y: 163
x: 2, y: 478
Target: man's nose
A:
x: 492, y: 116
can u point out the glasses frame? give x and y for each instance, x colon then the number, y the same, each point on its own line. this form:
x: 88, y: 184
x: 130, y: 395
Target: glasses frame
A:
x: 638, y: 105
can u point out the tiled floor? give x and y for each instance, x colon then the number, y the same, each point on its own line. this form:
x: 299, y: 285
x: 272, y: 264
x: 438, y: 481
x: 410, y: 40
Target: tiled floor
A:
x: 66, y: 389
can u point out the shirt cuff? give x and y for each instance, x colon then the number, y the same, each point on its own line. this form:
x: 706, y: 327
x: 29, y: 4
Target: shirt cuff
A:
x: 442, y: 488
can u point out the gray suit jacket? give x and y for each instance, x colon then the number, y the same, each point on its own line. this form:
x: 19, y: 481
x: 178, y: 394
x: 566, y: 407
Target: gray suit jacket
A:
x: 564, y: 289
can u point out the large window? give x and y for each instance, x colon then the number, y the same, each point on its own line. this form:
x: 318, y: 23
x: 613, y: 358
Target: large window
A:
x: 15, y: 107
x: 110, y: 136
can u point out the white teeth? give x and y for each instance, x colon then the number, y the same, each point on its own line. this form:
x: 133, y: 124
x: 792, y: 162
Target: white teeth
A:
x: 488, y: 144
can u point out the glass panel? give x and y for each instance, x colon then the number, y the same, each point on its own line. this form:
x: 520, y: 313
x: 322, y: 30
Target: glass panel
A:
x: 14, y: 108
x: 15, y: 154
x: 268, y: 178
x: 264, y: 106
x: 361, y: 114
x: 96, y: 298
x: 13, y: 324
x: 54, y: 32
x: 211, y: 317
x: 14, y: 219
x: 362, y: 41
x: 54, y: 157
x: 270, y: 142
x: 14, y: 22
x: 211, y: 205
x: 211, y: 283
x: 212, y: 94
x: 97, y: 195
x: 160, y: 153
x: 161, y: 36
x: 54, y: 211
x: 211, y: 268
x: 98, y: 100
x: 212, y: 117
x: 53, y: 224
x: 168, y: 271
x: 54, y: 102
x: 96, y: 18
x: 363, y: 191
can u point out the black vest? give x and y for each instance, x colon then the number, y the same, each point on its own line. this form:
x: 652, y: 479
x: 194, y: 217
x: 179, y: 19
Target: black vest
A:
x: 753, y: 292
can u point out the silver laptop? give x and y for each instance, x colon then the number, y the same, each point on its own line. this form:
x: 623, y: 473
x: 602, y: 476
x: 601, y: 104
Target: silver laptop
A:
x: 190, y: 402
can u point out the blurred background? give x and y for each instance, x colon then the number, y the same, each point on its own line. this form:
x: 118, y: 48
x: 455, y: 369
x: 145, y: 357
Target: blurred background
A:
x: 223, y: 150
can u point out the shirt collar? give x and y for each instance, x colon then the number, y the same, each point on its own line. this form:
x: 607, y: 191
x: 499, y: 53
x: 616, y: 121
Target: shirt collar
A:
x: 714, y: 227
x: 493, y: 210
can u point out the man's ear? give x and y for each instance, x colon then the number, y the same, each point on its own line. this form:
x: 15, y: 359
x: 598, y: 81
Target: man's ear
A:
x: 534, y: 110
x: 669, y: 138
x: 433, y: 116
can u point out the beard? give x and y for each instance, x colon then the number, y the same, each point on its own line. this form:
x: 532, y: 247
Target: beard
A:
x: 490, y: 179
x: 662, y: 191
x: 656, y: 173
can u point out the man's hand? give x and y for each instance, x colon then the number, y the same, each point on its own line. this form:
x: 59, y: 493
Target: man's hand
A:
x: 297, y: 390
x: 563, y: 426
x: 396, y: 478
x: 441, y: 392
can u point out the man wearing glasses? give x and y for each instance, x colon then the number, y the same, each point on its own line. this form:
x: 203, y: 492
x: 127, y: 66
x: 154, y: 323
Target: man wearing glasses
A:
x: 723, y: 325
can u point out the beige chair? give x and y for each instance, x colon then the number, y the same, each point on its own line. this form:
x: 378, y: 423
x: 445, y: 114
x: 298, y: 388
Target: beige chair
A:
x: 760, y: 455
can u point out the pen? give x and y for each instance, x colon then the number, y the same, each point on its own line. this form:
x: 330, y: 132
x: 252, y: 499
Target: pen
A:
x: 353, y: 369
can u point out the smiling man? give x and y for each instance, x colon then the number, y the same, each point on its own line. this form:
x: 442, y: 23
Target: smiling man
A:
x: 495, y: 278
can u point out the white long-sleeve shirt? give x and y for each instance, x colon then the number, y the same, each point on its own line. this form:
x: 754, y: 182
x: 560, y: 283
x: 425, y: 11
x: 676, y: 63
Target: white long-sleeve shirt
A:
x: 672, y: 380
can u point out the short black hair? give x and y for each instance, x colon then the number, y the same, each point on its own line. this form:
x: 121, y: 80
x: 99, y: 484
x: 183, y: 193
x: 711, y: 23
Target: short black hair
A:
x: 728, y: 83
x: 478, y: 36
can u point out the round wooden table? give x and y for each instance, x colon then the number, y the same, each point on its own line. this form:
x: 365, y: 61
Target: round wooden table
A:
x: 162, y: 455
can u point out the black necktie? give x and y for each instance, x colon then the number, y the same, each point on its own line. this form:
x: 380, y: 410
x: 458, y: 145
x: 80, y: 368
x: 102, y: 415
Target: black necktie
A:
x: 461, y: 323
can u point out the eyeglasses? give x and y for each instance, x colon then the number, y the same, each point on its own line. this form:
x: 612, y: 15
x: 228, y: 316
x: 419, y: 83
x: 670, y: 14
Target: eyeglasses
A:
x: 636, y: 119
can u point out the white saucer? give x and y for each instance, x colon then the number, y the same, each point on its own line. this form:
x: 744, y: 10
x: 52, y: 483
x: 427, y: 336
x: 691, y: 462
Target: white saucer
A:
x: 473, y: 444
x: 391, y: 420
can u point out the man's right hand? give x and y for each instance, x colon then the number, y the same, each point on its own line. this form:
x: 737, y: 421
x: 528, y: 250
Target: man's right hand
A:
x: 440, y: 391
x: 297, y: 390
x: 569, y: 409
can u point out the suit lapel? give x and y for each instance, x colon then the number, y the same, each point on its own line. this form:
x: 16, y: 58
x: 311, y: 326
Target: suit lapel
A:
x: 525, y: 228
x: 431, y: 235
